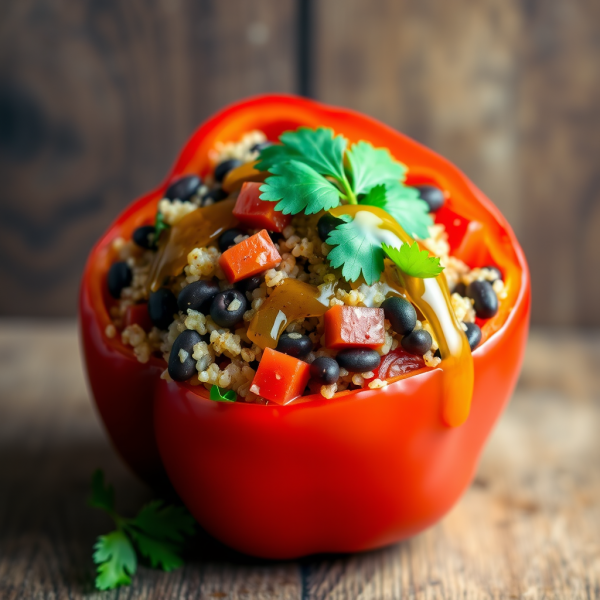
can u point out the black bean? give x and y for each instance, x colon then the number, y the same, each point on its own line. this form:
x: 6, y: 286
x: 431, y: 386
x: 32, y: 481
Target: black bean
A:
x: 432, y: 195
x: 325, y: 370
x: 417, y: 342
x: 220, y: 308
x: 249, y: 284
x: 473, y: 334
x: 215, y: 195
x: 496, y: 271
x: 227, y: 237
x: 260, y: 146
x: 484, y: 298
x: 197, y: 296
x: 162, y: 305
x: 460, y: 288
x: 183, y: 188
x: 178, y: 370
x: 327, y: 223
x: 400, y: 313
x: 294, y: 344
x: 119, y: 277
x: 227, y: 165
x: 144, y: 236
x: 358, y: 360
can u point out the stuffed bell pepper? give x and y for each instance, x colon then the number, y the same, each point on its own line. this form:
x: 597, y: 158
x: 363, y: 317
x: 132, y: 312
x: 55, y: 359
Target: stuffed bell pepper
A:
x: 309, y: 329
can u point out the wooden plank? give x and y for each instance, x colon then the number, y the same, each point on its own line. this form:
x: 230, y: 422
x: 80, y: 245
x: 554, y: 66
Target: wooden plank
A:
x: 95, y: 101
x: 509, y: 92
x: 527, y: 528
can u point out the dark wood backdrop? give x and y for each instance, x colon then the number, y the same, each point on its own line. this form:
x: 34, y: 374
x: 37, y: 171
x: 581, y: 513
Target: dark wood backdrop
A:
x: 96, y: 97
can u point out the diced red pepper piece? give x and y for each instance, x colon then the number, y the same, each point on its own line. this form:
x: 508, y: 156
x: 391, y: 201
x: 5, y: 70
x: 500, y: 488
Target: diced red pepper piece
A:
x: 354, y: 326
x: 254, y: 212
x: 280, y: 377
x: 250, y: 257
x: 137, y: 314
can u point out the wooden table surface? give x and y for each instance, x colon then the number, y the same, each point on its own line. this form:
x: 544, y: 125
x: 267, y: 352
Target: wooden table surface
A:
x: 528, y: 527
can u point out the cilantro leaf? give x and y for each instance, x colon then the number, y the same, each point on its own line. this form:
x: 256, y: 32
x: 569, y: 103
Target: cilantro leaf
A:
x: 298, y: 187
x: 413, y: 261
x: 356, y: 250
x: 375, y: 197
x: 277, y: 153
x: 164, y: 521
x: 217, y: 396
x: 116, y: 560
x: 372, y: 166
x: 161, y: 554
x: 158, y: 531
x: 103, y: 496
x: 319, y: 149
x: 403, y: 203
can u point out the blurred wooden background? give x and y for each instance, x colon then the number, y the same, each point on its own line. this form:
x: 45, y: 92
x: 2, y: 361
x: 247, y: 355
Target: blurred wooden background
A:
x: 96, y: 97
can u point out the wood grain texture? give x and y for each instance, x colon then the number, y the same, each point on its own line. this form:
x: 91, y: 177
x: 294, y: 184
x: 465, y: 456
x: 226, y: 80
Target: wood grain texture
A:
x: 96, y: 98
x: 506, y: 89
x: 527, y: 527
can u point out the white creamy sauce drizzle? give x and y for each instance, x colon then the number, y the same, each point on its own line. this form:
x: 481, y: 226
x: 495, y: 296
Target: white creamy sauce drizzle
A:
x: 369, y: 292
x: 370, y: 225
x: 279, y: 319
x: 435, y: 298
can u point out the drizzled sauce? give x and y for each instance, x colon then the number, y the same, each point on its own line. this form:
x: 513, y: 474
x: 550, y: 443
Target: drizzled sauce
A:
x: 196, y: 230
x: 293, y: 300
x: 432, y: 298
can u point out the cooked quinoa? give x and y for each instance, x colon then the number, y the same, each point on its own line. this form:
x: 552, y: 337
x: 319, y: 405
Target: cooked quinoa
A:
x: 227, y: 357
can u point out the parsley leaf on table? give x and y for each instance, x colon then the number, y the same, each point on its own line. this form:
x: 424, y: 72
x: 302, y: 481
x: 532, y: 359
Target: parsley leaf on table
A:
x: 116, y: 560
x: 158, y: 531
x: 298, y: 187
x: 372, y: 166
x: 356, y: 251
x: 402, y: 203
x: 218, y: 396
x: 413, y: 261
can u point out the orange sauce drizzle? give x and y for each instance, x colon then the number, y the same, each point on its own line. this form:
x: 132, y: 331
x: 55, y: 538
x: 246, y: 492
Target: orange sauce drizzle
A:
x: 293, y: 300
x: 432, y: 298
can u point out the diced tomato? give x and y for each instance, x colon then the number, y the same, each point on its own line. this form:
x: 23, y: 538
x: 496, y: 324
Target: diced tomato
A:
x: 137, y: 314
x: 254, y: 212
x: 280, y: 378
x: 354, y: 326
x: 250, y: 257
x: 398, y: 362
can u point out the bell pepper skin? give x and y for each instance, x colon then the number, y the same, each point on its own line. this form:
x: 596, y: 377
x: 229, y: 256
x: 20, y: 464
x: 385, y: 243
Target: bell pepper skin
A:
x: 362, y: 470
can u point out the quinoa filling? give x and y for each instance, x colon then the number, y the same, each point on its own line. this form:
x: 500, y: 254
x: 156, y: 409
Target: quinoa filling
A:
x: 214, y: 343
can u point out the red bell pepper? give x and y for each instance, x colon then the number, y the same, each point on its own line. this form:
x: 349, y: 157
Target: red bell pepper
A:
x: 353, y: 326
x: 364, y: 469
x: 256, y: 213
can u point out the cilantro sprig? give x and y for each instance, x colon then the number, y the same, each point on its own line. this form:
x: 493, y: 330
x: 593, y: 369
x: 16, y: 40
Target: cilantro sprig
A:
x: 413, y: 261
x: 313, y: 170
x: 158, y: 532
x: 218, y: 396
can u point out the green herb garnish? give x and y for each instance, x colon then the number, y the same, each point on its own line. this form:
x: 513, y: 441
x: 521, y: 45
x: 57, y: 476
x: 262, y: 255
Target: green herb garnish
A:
x: 413, y: 261
x: 356, y: 250
x: 402, y: 203
x: 312, y: 171
x: 218, y: 396
x: 299, y: 188
x: 158, y: 532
